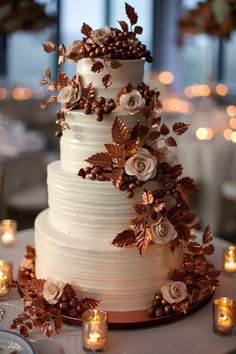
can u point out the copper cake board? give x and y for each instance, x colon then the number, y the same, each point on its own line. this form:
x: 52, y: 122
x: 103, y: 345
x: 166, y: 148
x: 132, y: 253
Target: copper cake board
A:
x: 132, y: 319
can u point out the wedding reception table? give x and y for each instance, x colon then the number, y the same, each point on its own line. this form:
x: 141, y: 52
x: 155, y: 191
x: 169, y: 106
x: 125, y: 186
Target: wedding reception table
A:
x: 191, y: 335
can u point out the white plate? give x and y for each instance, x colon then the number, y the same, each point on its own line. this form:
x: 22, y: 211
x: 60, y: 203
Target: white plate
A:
x: 14, y: 341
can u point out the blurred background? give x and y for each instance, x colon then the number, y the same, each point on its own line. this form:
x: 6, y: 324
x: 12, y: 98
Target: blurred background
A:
x: 193, y: 45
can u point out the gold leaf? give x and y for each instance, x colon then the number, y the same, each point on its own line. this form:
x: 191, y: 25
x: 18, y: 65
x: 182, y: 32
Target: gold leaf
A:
x: 97, y: 67
x: 124, y: 238
x: 143, y: 240
x: 207, y: 235
x: 147, y: 197
x: 120, y: 132
x: 131, y: 14
x: 49, y: 46
x: 179, y: 128
x: 101, y: 159
x: 124, y: 26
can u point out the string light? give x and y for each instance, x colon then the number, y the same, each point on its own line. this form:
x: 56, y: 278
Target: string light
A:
x: 232, y: 123
x: 202, y: 133
x: 166, y: 77
x: 231, y: 110
x: 227, y: 134
x: 221, y: 89
x: 21, y: 93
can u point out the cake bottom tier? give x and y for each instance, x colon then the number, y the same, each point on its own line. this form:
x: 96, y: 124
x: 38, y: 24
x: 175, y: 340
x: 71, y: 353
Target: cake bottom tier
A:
x: 119, y: 277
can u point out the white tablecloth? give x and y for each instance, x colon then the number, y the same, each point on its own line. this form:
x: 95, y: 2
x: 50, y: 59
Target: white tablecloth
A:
x: 192, y: 335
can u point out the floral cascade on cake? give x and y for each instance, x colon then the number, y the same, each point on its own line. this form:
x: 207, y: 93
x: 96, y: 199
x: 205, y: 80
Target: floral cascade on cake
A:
x: 119, y: 227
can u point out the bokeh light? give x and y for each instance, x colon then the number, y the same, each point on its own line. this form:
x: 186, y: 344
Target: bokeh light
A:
x: 221, y: 89
x: 227, y: 134
x: 166, y: 77
x: 202, y: 133
x: 3, y: 93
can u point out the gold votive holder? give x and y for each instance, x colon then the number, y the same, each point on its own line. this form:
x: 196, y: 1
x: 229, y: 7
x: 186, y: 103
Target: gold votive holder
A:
x: 229, y: 260
x: 95, y: 331
x: 8, y: 229
x: 223, y: 315
x: 6, y: 276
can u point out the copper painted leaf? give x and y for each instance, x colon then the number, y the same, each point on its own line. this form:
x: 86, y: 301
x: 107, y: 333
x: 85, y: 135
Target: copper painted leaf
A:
x: 47, y: 330
x: 138, y: 224
x: 188, y: 184
x: 138, y: 29
x: 90, y: 303
x: 131, y: 14
x: 143, y: 240
x: 124, y: 238
x: 156, y: 121
x: 116, y: 177
x: 181, y: 307
x: 159, y: 205
x: 115, y: 150
x: 43, y: 81
x: 62, y: 49
x: 24, y: 331
x: 124, y: 26
x: 164, y: 130
x: 52, y: 86
x: 176, y: 171
x: 47, y: 72
x: 140, y: 208
x: 147, y: 197
x: 120, y: 132
x: 114, y: 64
x: 195, y: 296
x: 207, y: 235
x: 49, y: 46
x: 153, y: 135
x: 107, y: 80
x: 43, y: 105
x: 183, y: 231
x: 101, y: 159
x: 129, y: 88
x: 97, y: 67
x: 194, y: 248
x: 86, y: 30
x: 179, y: 128
x: 131, y: 148
x: 61, y: 59
x: 170, y: 141
x: 209, y: 249
x: 58, y: 324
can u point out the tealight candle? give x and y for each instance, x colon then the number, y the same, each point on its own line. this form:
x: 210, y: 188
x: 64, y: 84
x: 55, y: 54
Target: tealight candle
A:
x: 95, y: 330
x: 229, y: 260
x: 5, y: 279
x: 8, y: 231
x: 223, y: 315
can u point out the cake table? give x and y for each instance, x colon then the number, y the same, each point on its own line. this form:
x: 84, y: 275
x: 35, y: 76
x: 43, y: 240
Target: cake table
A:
x: 193, y: 334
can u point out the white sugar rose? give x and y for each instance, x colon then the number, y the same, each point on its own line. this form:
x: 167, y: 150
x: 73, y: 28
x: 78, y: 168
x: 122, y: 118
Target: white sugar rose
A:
x: 132, y: 102
x: 52, y: 291
x: 27, y: 263
x: 169, y: 156
x: 74, y: 47
x: 163, y: 232
x: 69, y: 96
x: 142, y: 165
x: 101, y: 35
x: 174, y: 291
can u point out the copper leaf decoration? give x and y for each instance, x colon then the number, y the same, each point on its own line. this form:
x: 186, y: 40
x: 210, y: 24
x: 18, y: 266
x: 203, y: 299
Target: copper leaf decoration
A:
x: 138, y: 29
x: 164, y: 130
x: 62, y: 49
x: 101, y: 159
x: 120, y: 132
x: 86, y: 30
x: 156, y: 121
x: 154, y: 135
x: 147, y: 197
x: 140, y: 208
x: 207, y: 235
x: 90, y: 303
x: 97, y: 67
x: 49, y: 46
x: 116, y: 177
x: 115, y: 150
x: 131, y: 148
x: 209, y: 249
x: 138, y: 224
x: 143, y: 239
x: 159, y: 205
x: 170, y: 141
x: 188, y: 184
x: 47, y: 72
x: 124, y: 238
x: 107, y: 80
x: 124, y: 26
x: 114, y: 64
x: 179, y: 128
x: 194, y: 248
x: 131, y: 14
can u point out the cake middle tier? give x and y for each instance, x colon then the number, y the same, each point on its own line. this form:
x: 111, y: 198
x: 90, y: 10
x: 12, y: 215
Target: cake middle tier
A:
x: 88, y: 210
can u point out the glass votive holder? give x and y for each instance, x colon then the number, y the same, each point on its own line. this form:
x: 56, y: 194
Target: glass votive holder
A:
x: 223, y: 315
x: 229, y: 260
x: 6, y: 276
x: 8, y: 229
x: 95, y: 331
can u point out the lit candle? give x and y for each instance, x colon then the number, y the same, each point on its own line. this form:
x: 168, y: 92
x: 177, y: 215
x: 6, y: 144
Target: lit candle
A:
x: 229, y: 259
x: 5, y: 279
x: 223, y: 315
x: 94, y: 331
x: 8, y: 230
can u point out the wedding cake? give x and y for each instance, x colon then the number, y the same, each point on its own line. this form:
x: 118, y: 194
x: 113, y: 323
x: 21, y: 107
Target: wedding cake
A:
x: 119, y: 212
